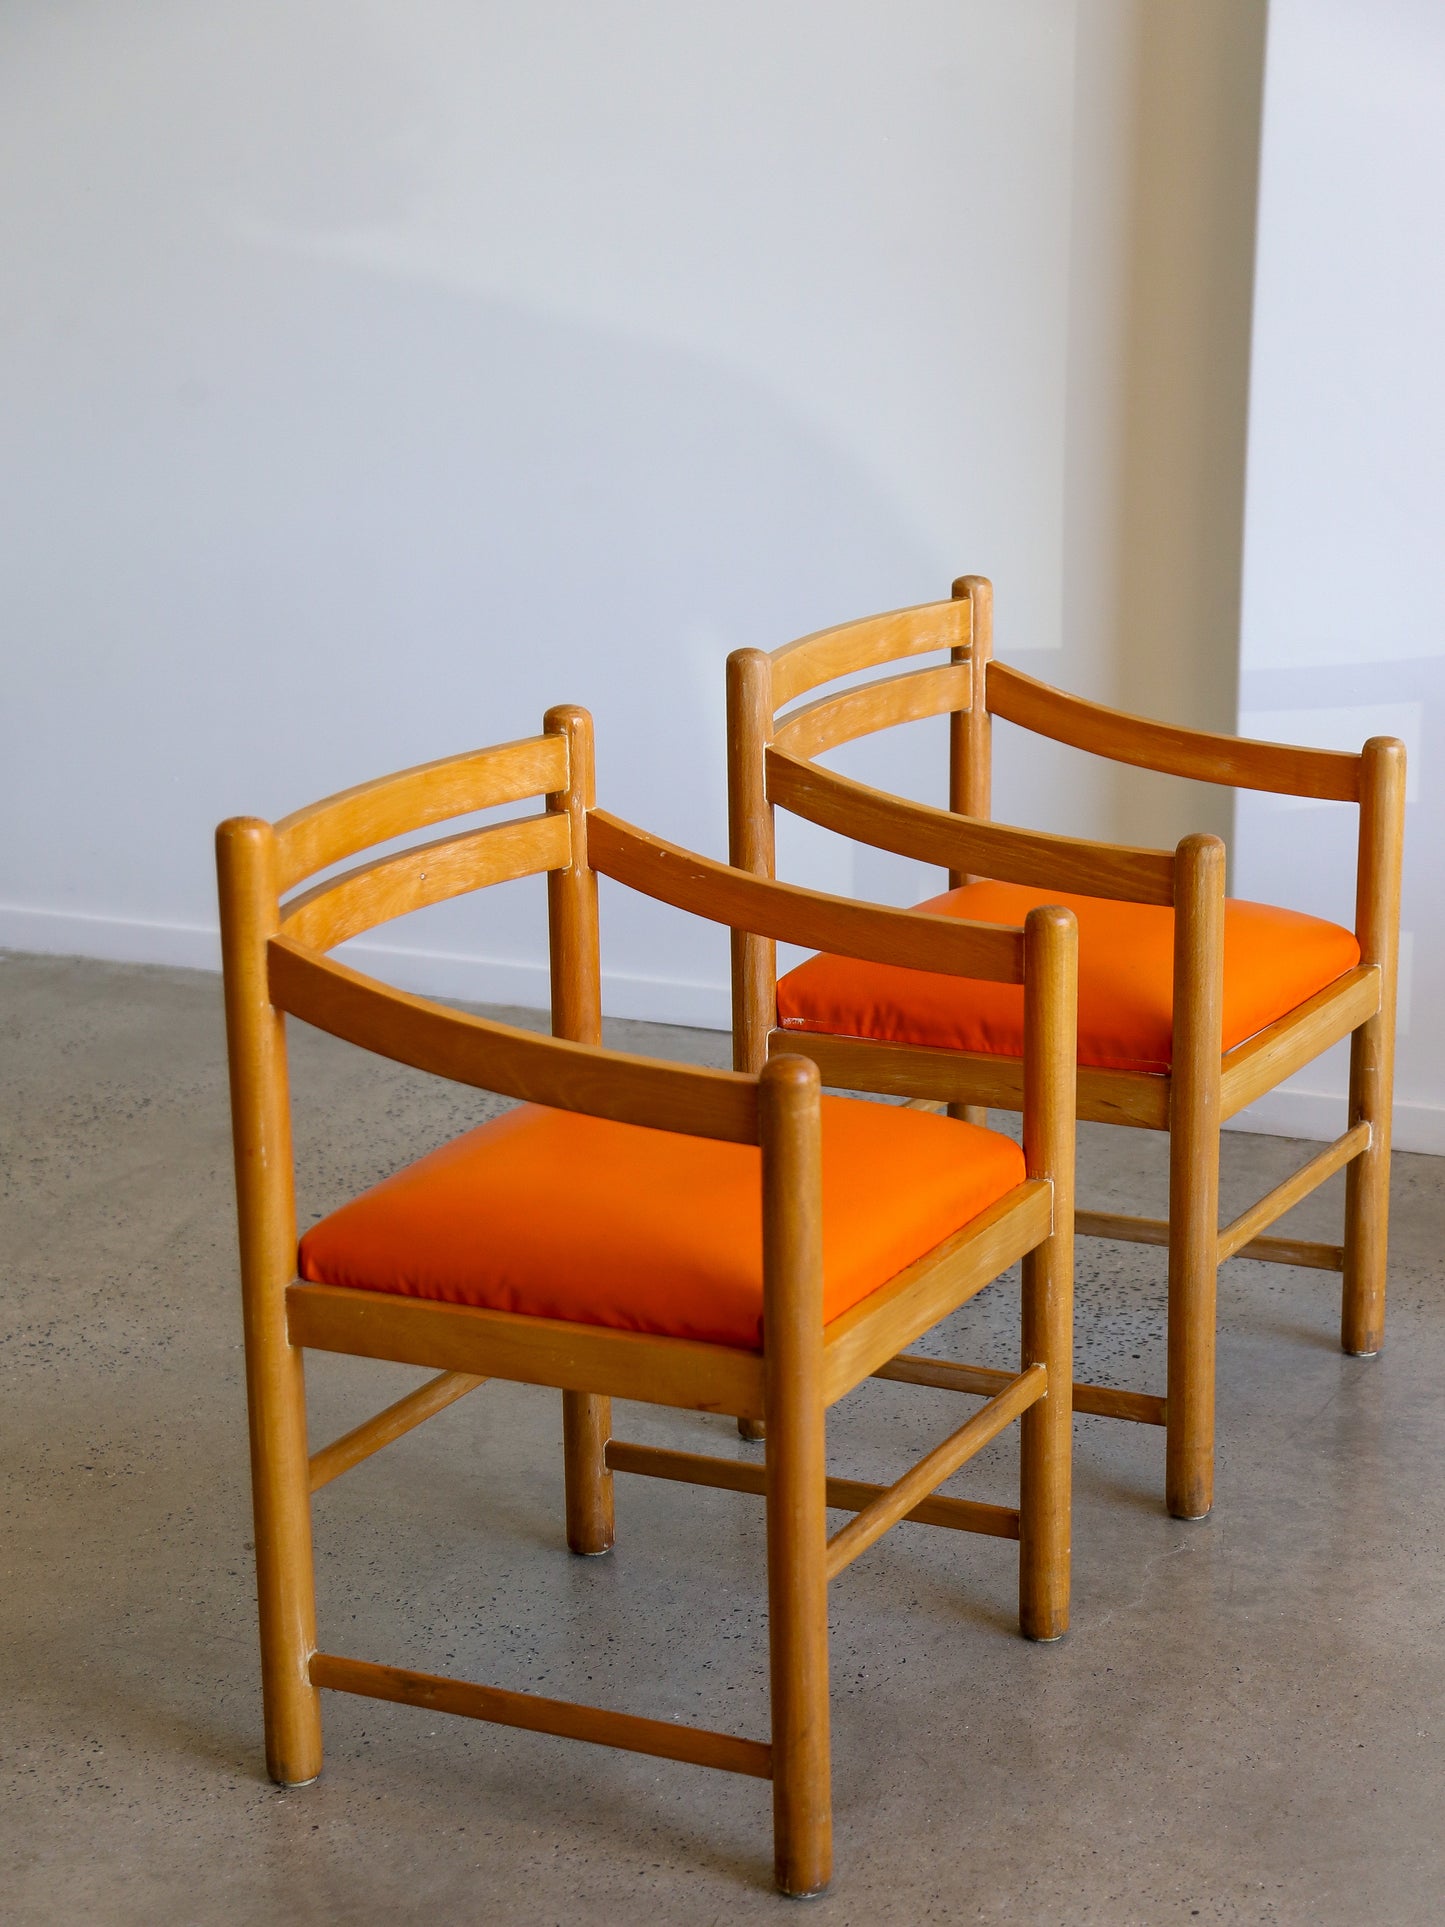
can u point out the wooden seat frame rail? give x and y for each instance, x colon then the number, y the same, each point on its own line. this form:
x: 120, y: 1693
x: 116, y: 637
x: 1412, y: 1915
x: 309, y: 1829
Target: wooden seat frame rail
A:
x: 275, y: 964
x: 772, y: 749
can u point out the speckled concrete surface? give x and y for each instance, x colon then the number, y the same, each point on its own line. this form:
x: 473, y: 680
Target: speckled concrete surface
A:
x: 1245, y: 1724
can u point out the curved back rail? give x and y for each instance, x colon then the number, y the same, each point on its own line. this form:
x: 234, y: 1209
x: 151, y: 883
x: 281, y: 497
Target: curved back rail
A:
x: 356, y: 819
x: 499, y: 1057
x: 1238, y: 762
x: 344, y: 906
x: 919, y: 941
x: 560, y: 1071
x: 843, y: 718
x: 962, y: 843
x: 828, y: 654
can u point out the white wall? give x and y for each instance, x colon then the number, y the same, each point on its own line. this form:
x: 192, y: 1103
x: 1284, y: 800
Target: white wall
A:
x: 378, y: 374
x: 1344, y: 591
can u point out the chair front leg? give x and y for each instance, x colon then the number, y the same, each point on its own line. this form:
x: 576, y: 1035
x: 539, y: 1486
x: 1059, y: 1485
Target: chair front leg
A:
x: 1194, y: 1105
x: 1046, y: 1445
x: 285, y: 1583
x: 275, y: 1373
x: 796, y: 1478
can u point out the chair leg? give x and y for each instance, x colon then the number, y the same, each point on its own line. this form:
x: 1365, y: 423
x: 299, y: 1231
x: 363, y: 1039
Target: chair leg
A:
x: 1193, y: 1286
x: 586, y: 1428
x: 796, y: 1477
x: 1372, y: 1048
x: 1367, y: 1193
x: 1046, y: 1444
x: 285, y: 1578
x: 798, y: 1645
x: 1194, y: 1111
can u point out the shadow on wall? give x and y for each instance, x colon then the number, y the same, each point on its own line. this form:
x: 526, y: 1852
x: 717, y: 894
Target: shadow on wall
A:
x: 1168, y: 111
x: 285, y: 509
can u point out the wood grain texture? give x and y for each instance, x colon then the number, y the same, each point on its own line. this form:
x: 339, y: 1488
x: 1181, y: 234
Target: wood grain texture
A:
x: 960, y: 843
x: 970, y: 730
x: 1264, y: 1061
x: 1308, y: 1253
x: 843, y: 1495
x: 1046, y: 1443
x: 586, y: 1428
x: 394, y: 886
x: 246, y: 861
x: 1105, y: 1401
x: 574, y: 948
x: 695, y: 883
x: 939, y: 1077
x: 1155, y: 1231
x: 499, y: 1057
x: 1194, y: 1120
x: 574, y: 937
x: 751, y: 847
x: 395, y: 1422
x: 852, y: 646
x: 501, y: 1707
x: 896, y: 1501
x: 531, y: 1351
x: 889, y: 1320
x: 411, y: 799
x: 1204, y: 758
x: 796, y: 1473
x: 1241, y: 1231
x: 1372, y: 1048
x: 909, y: 698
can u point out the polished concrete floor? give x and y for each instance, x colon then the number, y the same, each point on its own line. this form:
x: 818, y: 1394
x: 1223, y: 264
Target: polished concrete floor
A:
x: 1246, y: 1724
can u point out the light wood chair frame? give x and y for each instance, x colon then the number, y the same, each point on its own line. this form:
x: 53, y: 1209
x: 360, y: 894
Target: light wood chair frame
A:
x: 275, y: 936
x: 773, y: 743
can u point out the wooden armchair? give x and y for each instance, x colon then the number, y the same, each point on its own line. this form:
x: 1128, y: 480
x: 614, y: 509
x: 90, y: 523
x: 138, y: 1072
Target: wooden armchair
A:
x: 694, y: 1238
x: 1190, y: 1007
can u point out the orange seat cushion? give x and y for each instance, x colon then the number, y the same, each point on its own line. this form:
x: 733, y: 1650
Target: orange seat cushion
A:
x: 1273, y: 960
x: 563, y: 1216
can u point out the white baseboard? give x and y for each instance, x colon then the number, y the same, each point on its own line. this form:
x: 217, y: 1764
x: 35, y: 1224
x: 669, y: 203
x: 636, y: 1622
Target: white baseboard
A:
x: 431, y: 973
x: 75, y: 933
x: 494, y: 980
x: 660, y: 1000
x: 1321, y: 1115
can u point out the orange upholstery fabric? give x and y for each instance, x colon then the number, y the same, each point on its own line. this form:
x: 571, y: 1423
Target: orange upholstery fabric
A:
x: 564, y: 1216
x: 1273, y: 960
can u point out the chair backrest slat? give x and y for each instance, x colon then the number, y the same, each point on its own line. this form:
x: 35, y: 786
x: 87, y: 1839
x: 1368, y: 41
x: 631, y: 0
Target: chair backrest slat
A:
x: 793, y: 915
x: 829, y: 653
x: 393, y: 886
x: 963, y: 843
x: 1237, y: 762
x: 413, y: 799
x: 908, y: 698
x: 498, y: 1057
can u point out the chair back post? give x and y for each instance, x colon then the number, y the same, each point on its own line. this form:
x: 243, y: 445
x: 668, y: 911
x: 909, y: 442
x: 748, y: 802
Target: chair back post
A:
x: 1372, y: 1047
x: 751, y: 847
x: 970, y: 731
x: 1051, y: 975
x: 576, y: 967
x: 790, y: 1131
x: 1194, y: 1121
x: 572, y: 926
x: 247, y: 869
